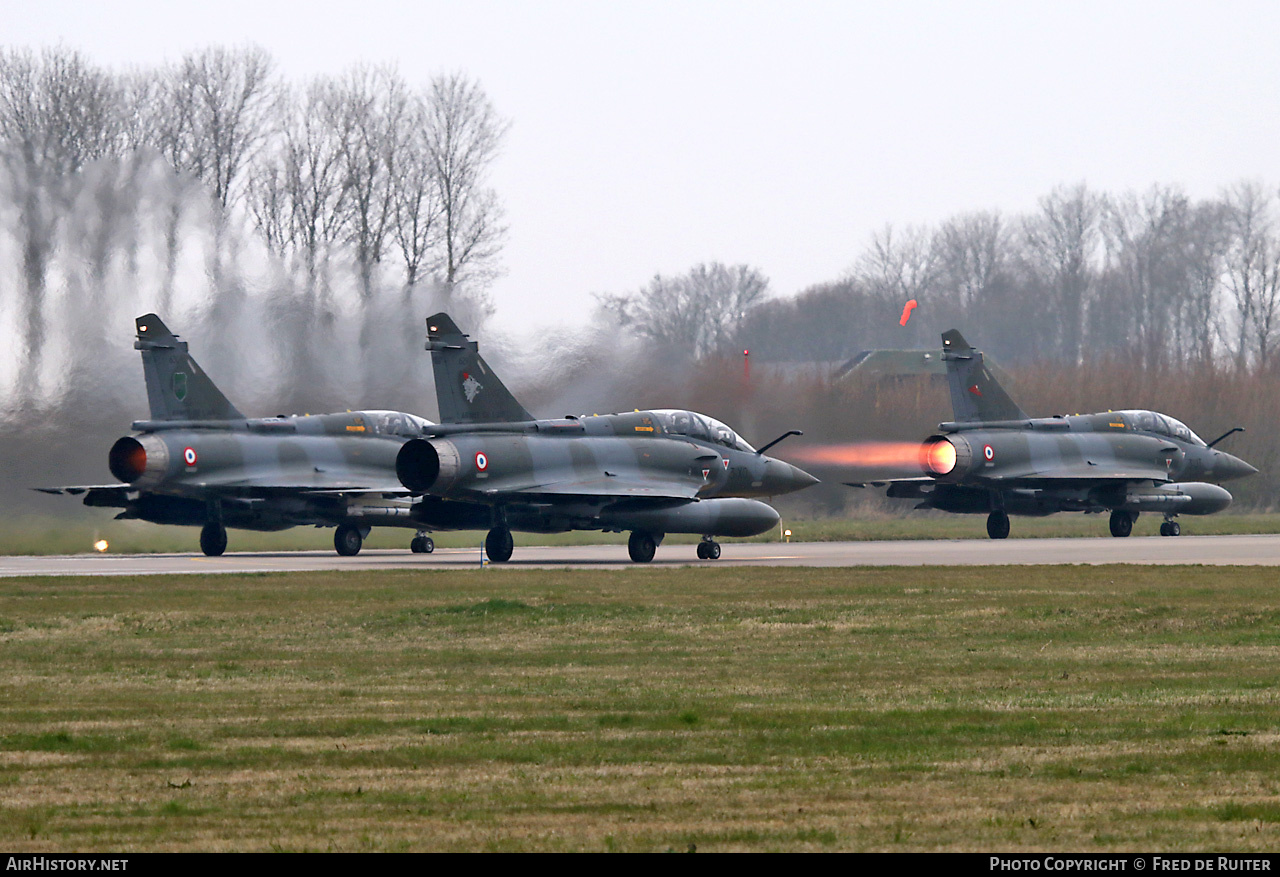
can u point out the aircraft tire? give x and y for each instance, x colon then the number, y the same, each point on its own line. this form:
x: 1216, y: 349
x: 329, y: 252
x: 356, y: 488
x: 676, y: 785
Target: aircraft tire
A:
x: 702, y: 551
x: 998, y: 525
x: 498, y: 545
x: 1121, y: 523
x: 713, y: 551
x: 347, y: 540
x: 641, y: 546
x: 213, y: 539
x: 1170, y: 528
x: 422, y: 545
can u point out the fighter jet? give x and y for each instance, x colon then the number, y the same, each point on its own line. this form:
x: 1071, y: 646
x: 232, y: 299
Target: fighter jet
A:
x: 200, y: 462
x: 994, y: 458
x: 490, y: 465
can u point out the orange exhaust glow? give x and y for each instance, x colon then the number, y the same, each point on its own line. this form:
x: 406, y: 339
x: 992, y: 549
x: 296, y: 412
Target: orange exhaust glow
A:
x: 901, y: 456
x: 938, y: 458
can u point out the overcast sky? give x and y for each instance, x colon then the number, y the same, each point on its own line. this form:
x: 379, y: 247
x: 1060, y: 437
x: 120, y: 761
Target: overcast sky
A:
x: 651, y: 136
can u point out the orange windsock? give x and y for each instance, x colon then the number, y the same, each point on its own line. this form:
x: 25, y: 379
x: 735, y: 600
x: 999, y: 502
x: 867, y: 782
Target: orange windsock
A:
x: 906, y: 312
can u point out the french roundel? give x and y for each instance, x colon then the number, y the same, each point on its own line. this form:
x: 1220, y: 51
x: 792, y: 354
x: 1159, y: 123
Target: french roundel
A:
x: 988, y: 452
x: 482, y: 461
x: 189, y: 456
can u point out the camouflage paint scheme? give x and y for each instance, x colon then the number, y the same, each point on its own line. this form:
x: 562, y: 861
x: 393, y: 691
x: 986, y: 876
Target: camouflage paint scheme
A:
x: 200, y: 462
x: 490, y: 464
x: 995, y: 459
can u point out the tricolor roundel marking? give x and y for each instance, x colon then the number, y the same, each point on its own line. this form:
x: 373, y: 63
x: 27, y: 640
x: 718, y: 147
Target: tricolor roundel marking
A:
x: 189, y: 456
x: 988, y: 452
x: 482, y: 461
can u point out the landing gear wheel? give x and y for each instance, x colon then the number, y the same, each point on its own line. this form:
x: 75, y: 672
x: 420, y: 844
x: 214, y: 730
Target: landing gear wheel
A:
x: 641, y: 546
x: 998, y: 525
x: 1121, y: 523
x: 422, y: 545
x: 347, y: 540
x: 213, y: 539
x: 498, y: 545
x: 708, y: 549
x: 1170, y: 528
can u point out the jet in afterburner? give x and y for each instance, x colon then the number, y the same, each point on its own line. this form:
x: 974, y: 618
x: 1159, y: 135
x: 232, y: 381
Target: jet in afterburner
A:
x: 490, y: 465
x: 199, y: 462
x: 996, y: 460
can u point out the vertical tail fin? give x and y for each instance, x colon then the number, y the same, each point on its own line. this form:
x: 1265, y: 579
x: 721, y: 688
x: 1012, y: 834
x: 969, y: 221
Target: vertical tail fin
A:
x: 467, y: 390
x: 976, y: 396
x: 177, y: 388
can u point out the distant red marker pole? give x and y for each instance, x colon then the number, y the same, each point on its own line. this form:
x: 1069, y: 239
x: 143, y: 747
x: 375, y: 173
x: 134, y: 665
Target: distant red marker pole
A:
x: 746, y: 365
x: 906, y: 312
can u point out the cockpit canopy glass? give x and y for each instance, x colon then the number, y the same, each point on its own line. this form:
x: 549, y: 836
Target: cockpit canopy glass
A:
x: 395, y: 423
x: 699, y: 426
x: 1150, y: 421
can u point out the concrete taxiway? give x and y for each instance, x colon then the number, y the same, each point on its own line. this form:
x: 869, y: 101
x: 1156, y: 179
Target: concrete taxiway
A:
x: 1210, y: 550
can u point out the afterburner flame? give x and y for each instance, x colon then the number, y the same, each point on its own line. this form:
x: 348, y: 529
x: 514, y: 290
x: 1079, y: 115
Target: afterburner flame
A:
x: 938, y: 457
x: 903, y: 456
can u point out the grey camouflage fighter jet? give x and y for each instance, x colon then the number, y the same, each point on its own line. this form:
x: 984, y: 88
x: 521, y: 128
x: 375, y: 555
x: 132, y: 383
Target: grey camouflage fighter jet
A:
x: 995, y: 459
x: 199, y: 462
x: 490, y: 465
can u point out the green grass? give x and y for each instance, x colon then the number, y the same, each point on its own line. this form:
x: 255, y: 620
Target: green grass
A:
x: 77, y: 533
x: 1033, y: 708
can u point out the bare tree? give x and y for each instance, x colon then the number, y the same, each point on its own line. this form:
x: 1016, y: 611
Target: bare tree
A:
x: 972, y: 251
x: 697, y: 313
x: 1144, y: 236
x: 415, y: 198
x: 897, y: 267
x: 1062, y: 245
x: 219, y: 108
x: 373, y: 111
x: 1252, y: 269
x: 464, y: 134
x: 57, y: 113
x: 1205, y: 250
x: 297, y: 198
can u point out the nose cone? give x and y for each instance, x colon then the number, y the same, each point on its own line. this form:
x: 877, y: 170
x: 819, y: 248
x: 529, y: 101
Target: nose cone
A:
x: 780, y: 478
x: 1225, y: 467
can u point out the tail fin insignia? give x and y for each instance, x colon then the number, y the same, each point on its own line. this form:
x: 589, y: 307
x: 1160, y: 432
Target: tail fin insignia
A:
x: 177, y: 388
x: 976, y: 396
x: 467, y: 390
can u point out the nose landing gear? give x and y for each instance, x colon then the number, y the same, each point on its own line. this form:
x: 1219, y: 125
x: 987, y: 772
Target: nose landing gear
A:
x: 708, y: 549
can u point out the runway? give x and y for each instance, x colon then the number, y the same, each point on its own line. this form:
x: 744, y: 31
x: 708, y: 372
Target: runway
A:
x: 1151, y: 550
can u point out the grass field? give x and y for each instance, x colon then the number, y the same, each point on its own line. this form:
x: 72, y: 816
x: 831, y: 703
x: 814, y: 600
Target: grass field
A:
x: 1049, y: 708
x: 77, y: 533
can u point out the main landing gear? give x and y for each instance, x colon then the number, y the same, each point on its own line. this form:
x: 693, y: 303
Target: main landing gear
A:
x: 708, y: 549
x: 347, y: 540
x: 1122, y: 523
x: 998, y: 525
x: 498, y: 545
x: 1170, y: 527
x: 422, y: 544
x: 642, y: 546
x: 213, y: 539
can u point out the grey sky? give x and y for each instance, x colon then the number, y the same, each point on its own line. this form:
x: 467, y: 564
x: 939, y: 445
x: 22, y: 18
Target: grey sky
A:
x: 650, y: 136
